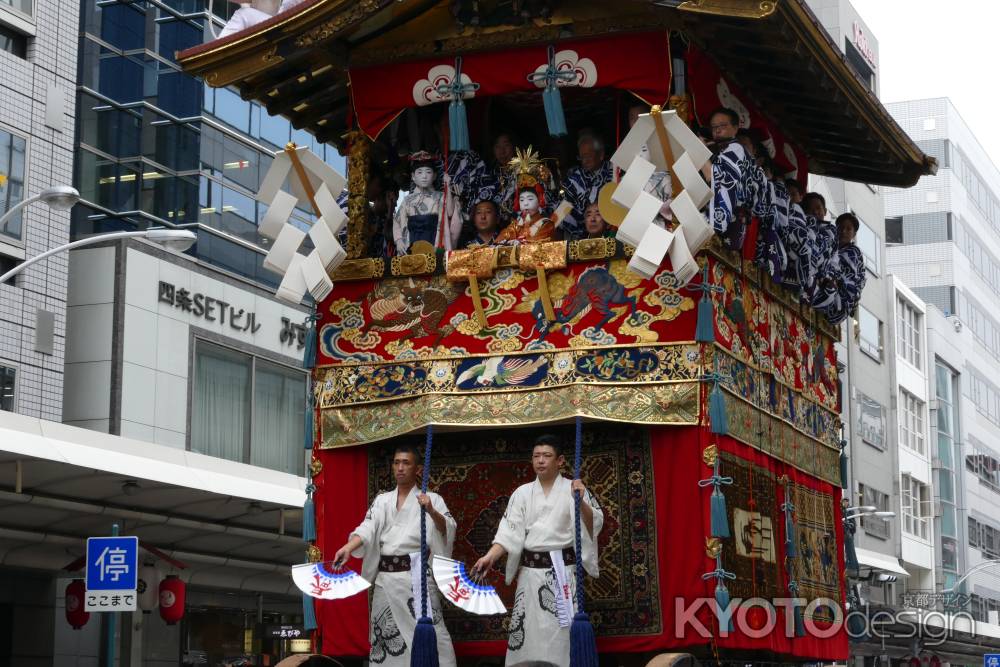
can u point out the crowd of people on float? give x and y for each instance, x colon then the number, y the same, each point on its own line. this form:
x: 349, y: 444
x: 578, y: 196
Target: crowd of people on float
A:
x: 515, y: 197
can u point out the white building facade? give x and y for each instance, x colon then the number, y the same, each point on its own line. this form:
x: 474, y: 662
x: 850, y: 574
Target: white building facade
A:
x: 945, y: 235
x: 38, y: 47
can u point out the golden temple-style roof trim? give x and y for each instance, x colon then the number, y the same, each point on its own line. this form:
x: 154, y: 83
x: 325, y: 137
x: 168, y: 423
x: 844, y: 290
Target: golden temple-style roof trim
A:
x: 296, y: 63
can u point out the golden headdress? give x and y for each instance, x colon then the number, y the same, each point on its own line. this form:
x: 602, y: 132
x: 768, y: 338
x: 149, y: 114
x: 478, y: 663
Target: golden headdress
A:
x: 532, y: 174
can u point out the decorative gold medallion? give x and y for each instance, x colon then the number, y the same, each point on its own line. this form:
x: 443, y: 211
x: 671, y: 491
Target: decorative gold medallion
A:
x: 710, y: 455
x: 314, y: 554
x: 316, y: 467
x: 713, y: 547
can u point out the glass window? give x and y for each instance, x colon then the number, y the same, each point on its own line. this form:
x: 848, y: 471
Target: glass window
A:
x: 274, y: 129
x: 13, y: 42
x: 911, y: 422
x: 175, y: 35
x: 870, y: 245
x: 247, y: 409
x: 279, y: 403
x: 220, y: 412
x: 7, y: 376
x: 873, y: 525
x: 23, y: 6
x: 869, y: 333
x: 230, y: 109
x: 907, y: 332
x: 117, y: 77
x: 914, y: 504
x: 13, y: 149
x: 871, y: 421
x: 177, y: 93
x: 240, y: 163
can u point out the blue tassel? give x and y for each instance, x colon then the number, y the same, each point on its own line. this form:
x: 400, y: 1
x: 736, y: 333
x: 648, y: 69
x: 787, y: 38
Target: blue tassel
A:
x: 458, y: 125
x: 800, y: 626
x: 308, y: 426
x: 309, y: 519
x: 425, y: 651
x: 851, y: 555
x: 308, y: 613
x: 309, y: 354
x: 704, y: 331
x: 843, y: 467
x: 791, y: 544
x: 556, y: 119
x: 425, y: 646
x: 722, y: 599
x: 717, y: 414
x: 582, y: 642
x: 720, y: 517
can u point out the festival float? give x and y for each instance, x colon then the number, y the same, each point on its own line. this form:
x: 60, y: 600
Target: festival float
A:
x: 706, y: 392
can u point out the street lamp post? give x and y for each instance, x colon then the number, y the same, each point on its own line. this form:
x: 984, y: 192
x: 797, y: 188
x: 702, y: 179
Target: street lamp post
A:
x: 59, y: 197
x: 175, y: 239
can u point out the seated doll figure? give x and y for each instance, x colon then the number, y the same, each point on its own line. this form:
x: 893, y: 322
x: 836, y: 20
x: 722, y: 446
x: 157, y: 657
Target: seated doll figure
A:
x: 425, y: 215
x: 594, y: 224
x: 530, y: 225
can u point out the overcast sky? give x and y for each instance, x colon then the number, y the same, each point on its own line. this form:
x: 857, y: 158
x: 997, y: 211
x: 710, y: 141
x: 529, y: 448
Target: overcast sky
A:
x: 935, y: 48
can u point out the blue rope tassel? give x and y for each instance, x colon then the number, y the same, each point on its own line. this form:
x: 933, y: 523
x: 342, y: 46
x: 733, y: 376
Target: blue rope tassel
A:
x: 843, y: 464
x: 425, y: 651
x: 551, y: 97
x: 309, y: 515
x: 721, y: 594
x: 704, y: 331
x: 582, y: 641
x: 791, y: 544
x: 308, y: 613
x: 718, y: 417
x: 309, y: 352
x: 800, y: 626
x: 719, y: 514
x: 458, y: 122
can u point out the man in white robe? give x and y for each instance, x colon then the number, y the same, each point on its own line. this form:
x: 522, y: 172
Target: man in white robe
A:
x: 386, y: 540
x: 537, y: 535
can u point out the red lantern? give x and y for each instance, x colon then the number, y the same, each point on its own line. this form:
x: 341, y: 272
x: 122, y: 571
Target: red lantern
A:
x: 76, y: 611
x: 171, y: 599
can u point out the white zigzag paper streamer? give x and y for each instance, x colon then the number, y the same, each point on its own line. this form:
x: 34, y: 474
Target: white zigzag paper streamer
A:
x: 652, y: 242
x: 302, y: 273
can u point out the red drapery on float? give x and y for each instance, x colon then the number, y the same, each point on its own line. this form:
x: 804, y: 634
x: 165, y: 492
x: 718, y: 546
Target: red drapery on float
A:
x: 679, y: 533
x: 711, y: 90
x: 639, y: 63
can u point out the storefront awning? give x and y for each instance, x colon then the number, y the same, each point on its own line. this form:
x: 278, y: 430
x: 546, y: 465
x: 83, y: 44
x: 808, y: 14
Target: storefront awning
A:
x: 133, y: 459
x: 878, y: 561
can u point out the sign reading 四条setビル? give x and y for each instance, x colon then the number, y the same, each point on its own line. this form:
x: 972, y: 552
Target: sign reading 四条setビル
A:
x: 112, y: 573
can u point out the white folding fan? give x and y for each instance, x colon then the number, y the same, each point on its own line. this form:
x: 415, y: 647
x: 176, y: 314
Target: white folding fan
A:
x: 315, y: 580
x: 459, y: 588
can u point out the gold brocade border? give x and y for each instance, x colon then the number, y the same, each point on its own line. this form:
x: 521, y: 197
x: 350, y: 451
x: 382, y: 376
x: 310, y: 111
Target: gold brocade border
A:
x: 666, y: 405
x: 779, y: 439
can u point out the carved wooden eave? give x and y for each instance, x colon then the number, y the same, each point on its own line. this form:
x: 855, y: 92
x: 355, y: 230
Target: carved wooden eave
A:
x: 296, y: 63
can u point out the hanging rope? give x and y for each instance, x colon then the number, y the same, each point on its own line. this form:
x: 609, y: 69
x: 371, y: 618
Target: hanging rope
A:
x: 704, y: 330
x: 425, y: 653
x: 582, y: 642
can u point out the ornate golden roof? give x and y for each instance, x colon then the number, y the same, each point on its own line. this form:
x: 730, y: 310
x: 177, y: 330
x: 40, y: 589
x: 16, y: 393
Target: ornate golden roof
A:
x: 296, y: 63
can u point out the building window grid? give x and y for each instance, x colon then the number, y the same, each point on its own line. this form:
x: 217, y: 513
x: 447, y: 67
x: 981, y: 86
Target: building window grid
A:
x: 8, y: 378
x: 914, y: 502
x: 869, y: 333
x: 870, y: 244
x: 984, y: 463
x: 911, y: 422
x: 908, y: 332
x: 874, y: 526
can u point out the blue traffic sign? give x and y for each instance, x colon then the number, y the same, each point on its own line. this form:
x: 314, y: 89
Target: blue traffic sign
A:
x: 112, y: 563
x: 991, y: 660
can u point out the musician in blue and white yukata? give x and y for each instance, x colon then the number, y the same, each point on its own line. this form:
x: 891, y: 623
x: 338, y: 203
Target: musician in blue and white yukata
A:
x: 824, y: 245
x: 840, y: 286
x: 583, y: 183
x: 385, y: 540
x: 727, y: 208
x: 536, y: 534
